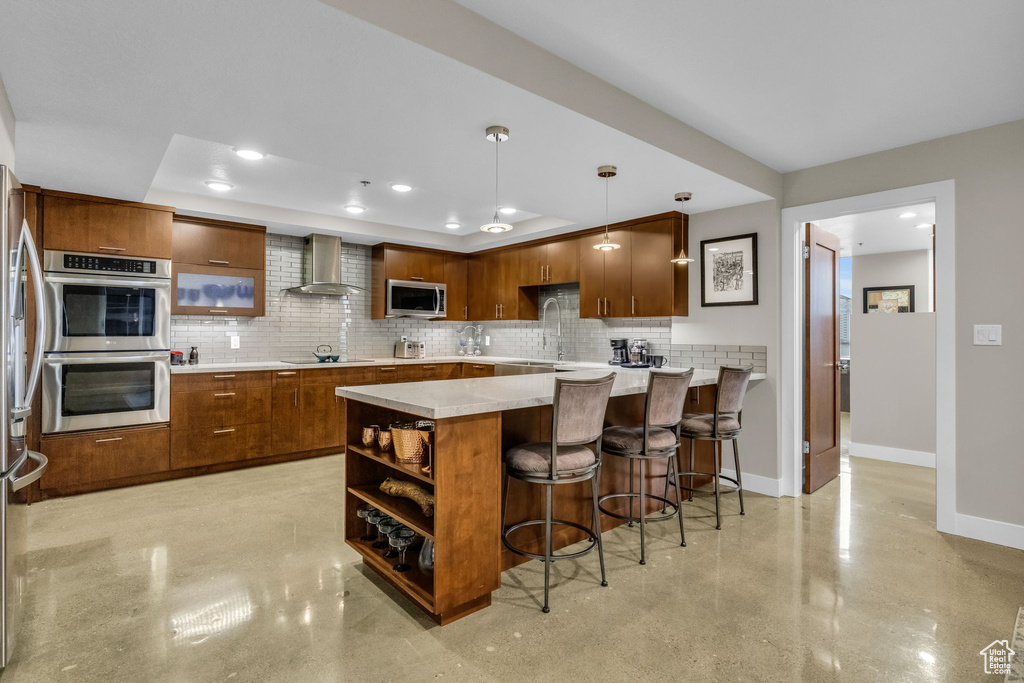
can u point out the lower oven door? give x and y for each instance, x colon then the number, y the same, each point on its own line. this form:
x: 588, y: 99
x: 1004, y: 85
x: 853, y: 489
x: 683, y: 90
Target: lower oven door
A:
x: 96, y: 391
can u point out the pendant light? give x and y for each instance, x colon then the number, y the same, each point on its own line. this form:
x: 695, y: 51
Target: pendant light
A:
x: 606, y: 172
x: 683, y: 258
x: 497, y: 135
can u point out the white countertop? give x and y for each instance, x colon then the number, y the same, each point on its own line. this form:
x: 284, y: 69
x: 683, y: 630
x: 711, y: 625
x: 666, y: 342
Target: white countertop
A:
x: 253, y: 366
x: 452, y: 398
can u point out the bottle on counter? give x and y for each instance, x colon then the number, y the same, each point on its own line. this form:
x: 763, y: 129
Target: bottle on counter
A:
x: 193, y: 356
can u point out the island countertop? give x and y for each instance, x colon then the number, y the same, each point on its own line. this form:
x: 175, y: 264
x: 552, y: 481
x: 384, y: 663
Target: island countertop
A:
x: 454, y: 398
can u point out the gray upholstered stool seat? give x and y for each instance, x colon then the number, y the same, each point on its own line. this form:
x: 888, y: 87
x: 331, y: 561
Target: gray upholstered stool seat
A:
x: 632, y: 438
x: 704, y: 423
x: 536, y: 457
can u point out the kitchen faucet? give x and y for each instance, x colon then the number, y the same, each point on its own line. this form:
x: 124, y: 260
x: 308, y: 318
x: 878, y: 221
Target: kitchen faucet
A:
x: 544, y: 322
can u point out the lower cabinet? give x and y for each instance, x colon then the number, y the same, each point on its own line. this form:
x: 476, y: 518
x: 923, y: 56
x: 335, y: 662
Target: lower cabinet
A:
x: 322, y: 415
x: 215, y: 445
x: 89, y: 457
x: 477, y: 370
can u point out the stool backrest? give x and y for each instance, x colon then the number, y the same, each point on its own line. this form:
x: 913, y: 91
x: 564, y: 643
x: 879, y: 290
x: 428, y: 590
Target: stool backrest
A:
x: 579, y: 408
x: 732, y: 386
x: 666, y: 395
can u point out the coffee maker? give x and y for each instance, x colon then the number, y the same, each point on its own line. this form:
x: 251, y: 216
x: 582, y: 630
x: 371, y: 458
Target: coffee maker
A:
x: 620, y: 352
x: 637, y: 354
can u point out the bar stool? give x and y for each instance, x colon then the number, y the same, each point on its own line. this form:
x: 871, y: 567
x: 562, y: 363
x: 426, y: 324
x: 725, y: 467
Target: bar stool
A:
x: 577, y: 417
x: 724, y: 424
x: 657, y: 439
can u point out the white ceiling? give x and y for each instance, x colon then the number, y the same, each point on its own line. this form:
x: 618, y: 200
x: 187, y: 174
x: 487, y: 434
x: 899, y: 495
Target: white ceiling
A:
x: 883, y: 231
x: 145, y: 99
x: 795, y: 83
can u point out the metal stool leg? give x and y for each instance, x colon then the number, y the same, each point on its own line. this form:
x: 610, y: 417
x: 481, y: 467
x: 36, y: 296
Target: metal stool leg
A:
x: 668, y: 471
x: 631, y: 491
x: 597, y: 524
x: 693, y: 453
x: 547, y: 547
x: 739, y: 477
x: 673, y: 470
x: 643, y: 514
x: 718, y: 465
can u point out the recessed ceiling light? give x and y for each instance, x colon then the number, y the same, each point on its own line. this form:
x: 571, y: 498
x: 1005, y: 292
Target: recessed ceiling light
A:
x: 399, y: 187
x: 219, y: 185
x: 250, y: 154
x: 507, y: 210
x: 907, y: 214
x: 355, y: 208
x: 452, y: 226
x: 923, y: 225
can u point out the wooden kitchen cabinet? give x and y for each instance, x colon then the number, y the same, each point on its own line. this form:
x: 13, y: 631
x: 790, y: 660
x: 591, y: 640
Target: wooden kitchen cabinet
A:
x: 413, y: 264
x: 494, y: 292
x: 605, y: 276
x: 104, y: 455
x: 393, y: 262
x: 455, y: 276
x: 97, y: 225
x: 651, y: 270
x: 322, y: 414
x: 285, y: 420
x: 477, y: 370
x: 548, y: 263
x: 209, y: 242
x: 217, y: 445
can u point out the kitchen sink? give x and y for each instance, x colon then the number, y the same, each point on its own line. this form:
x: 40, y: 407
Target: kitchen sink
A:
x: 530, y: 367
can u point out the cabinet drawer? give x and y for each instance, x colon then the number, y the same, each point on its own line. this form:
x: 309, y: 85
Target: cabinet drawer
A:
x: 213, y: 445
x: 388, y: 374
x: 218, y: 243
x: 427, y: 371
x: 221, y: 381
x: 285, y: 378
x: 105, y: 226
x: 341, y: 377
x: 105, y: 455
x: 477, y: 370
x: 220, y: 408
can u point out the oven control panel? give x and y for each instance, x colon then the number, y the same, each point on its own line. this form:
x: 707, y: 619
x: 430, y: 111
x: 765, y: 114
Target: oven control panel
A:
x: 109, y: 264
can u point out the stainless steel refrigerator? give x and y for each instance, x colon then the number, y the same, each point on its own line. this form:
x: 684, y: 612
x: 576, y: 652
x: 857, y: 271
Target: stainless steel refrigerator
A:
x: 19, y: 376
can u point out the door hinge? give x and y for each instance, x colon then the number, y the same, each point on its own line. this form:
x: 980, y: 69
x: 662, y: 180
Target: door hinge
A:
x: 807, y: 447
x: 807, y: 251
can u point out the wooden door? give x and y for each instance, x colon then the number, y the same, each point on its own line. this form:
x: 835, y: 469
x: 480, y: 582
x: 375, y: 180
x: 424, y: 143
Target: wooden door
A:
x: 591, y: 277
x: 652, y: 274
x: 414, y: 264
x: 319, y: 408
x: 562, y: 261
x: 457, y: 303
x: 533, y: 260
x: 617, y: 270
x: 481, y: 286
x: 821, y: 358
x: 208, y: 242
x: 286, y: 425
x: 105, y: 226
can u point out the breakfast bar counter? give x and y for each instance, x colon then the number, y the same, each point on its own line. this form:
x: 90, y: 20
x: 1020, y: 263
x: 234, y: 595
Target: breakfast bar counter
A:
x: 475, y: 422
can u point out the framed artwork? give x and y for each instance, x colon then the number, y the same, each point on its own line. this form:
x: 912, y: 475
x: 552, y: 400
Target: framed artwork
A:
x: 728, y: 271
x: 889, y: 299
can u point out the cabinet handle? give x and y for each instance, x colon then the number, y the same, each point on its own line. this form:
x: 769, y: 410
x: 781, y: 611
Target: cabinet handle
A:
x: 549, y: 272
x: 606, y: 305
x: 465, y: 312
x: 387, y: 369
x: 479, y: 367
x: 217, y: 310
x: 416, y: 278
x: 430, y: 367
x: 223, y: 431
x: 222, y: 263
x: 230, y: 393
x: 295, y: 397
x: 116, y: 438
x: 281, y: 374
x: 542, y: 273
x: 113, y: 248
x: 222, y: 376
x: 632, y: 305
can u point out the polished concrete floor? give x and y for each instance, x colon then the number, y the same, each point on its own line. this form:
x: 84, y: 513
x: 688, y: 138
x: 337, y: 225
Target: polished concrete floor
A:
x: 244, y: 576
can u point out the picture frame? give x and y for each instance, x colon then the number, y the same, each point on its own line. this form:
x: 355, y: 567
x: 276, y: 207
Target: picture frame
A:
x: 728, y: 271
x: 892, y: 299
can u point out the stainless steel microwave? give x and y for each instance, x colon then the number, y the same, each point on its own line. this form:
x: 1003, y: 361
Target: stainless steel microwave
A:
x: 415, y: 299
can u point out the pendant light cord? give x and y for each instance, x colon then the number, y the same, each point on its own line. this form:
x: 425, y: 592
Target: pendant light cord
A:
x: 497, y: 142
x: 606, y: 206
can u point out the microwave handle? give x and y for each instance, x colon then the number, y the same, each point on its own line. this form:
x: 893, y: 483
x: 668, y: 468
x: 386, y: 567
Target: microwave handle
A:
x: 437, y: 300
x: 23, y: 404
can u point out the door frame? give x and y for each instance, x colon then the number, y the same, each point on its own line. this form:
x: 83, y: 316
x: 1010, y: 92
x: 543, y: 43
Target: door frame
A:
x: 791, y: 378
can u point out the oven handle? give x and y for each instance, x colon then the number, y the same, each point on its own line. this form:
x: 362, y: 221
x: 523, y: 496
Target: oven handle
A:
x: 72, y: 279
x: 112, y: 357
x: 26, y: 479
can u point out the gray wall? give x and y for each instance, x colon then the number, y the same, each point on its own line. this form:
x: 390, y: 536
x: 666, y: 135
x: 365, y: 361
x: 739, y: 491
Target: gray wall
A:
x: 743, y: 325
x: 894, y: 269
x: 987, y: 166
x: 892, y: 381
x: 6, y: 129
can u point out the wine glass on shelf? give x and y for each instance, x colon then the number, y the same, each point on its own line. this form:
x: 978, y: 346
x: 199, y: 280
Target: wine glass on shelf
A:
x: 386, y: 527
x: 375, y: 518
x: 401, y: 538
x: 363, y: 512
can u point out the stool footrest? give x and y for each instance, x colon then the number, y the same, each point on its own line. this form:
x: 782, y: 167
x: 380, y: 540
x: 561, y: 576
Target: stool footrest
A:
x: 721, y: 477
x: 554, y: 556
x: 659, y: 518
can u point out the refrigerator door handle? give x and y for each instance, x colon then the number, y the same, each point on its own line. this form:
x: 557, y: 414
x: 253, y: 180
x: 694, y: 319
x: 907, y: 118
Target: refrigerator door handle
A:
x: 21, y: 482
x: 36, y: 268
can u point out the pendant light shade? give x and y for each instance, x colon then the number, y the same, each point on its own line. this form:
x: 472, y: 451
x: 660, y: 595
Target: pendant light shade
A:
x: 497, y: 135
x: 682, y: 257
x: 606, y: 243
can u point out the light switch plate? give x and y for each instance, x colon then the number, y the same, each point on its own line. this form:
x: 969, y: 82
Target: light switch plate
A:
x: 236, y: 342
x: 988, y: 335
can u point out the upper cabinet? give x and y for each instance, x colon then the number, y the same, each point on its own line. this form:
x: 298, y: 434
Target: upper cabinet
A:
x: 96, y: 225
x: 392, y: 262
x: 413, y: 264
x: 219, y: 268
x: 604, y: 276
x: 549, y: 263
x: 494, y: 288
x: 455, y: 276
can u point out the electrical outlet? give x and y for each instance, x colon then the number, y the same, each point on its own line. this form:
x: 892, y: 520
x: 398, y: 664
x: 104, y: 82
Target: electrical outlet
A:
x: 988, y: 335
x: 404, y: 338
x: 236, y: 341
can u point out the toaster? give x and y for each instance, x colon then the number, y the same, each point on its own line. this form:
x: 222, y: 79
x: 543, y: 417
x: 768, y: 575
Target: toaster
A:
x: 410, y: 349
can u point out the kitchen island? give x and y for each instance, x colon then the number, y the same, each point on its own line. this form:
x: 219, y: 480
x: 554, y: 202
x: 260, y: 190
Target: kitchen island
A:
x: 476, y: 420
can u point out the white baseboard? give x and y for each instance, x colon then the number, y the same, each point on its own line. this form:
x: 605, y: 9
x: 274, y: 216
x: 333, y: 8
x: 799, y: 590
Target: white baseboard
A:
x: 757, y: 484
x: 990, y: 531
x: 900, y: 455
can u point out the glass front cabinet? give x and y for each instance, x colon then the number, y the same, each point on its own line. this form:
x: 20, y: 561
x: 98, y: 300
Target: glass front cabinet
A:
x: 218, y: 268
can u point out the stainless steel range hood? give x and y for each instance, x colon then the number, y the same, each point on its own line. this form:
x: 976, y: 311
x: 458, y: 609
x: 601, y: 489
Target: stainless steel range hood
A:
x: 321, y: 268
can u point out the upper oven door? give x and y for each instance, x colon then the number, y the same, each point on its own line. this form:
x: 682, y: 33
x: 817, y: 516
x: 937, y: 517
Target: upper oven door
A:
x: 410, y: 298
x: 105, y: 313
x: 97, y: 391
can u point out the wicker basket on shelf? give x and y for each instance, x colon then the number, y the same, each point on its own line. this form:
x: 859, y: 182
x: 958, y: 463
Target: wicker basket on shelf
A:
x: 412, y: 442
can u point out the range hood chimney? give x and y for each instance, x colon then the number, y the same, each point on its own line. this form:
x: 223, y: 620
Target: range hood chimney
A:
x: 321, y: 268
